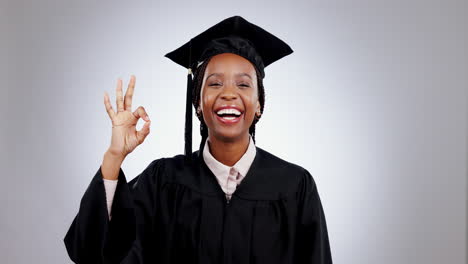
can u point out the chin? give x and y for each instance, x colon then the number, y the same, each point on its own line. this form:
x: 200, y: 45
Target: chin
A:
x: 227, y: 135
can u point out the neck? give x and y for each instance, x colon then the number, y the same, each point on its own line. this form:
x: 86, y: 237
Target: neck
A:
x: 228, y: 152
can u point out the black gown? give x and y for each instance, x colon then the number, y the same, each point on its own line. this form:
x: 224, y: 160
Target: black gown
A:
x: 176, y: 212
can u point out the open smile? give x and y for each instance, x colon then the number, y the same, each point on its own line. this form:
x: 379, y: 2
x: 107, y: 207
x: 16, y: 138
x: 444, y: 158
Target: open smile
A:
x: 229, y: 115
x: 229, y: 119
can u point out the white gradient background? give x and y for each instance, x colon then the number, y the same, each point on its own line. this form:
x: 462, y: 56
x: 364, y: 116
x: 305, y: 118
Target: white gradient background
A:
x: 373, y: 102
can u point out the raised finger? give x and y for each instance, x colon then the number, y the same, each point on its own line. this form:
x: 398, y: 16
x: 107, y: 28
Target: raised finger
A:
x: 141, y: 112
x: 108, y: 105
x: 129, y: 93
x: 119, y: 99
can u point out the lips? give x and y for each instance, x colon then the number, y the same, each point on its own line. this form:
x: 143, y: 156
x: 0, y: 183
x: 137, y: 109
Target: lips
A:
x: 229, y: 107
x: 228, y: 119
x: 229, y: 114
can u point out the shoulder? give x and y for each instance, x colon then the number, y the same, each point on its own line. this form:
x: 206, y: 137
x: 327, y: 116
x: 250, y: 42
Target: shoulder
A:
x: 292, y: 175
x: 272, y: 161
x: 149, y: 175
x: 174, y: 168
x: 176, y: 162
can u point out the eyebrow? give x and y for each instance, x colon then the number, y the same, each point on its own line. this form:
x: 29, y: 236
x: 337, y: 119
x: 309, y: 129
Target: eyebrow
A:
x: 221, y: 74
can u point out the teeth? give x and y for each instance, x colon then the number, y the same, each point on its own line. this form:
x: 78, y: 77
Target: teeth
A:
x: 229, y: 117
x: 229, y: 111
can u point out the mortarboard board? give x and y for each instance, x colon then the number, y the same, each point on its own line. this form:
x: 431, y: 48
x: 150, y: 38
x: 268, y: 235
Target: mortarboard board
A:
x: 232, y: 35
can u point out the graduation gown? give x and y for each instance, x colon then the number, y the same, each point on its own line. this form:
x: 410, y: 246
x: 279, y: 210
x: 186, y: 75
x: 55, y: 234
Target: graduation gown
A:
x: 176, y: 212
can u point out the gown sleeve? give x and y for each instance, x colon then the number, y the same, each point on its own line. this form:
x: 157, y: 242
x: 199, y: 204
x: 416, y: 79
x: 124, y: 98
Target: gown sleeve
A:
x: 128, y: 236
x: 313, y: 245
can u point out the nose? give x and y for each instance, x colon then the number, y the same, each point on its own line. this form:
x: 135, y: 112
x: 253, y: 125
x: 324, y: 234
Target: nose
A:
x: 229, y: 92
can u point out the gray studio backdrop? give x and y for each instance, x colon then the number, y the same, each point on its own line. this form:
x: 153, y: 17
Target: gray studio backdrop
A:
x: 373, y: 102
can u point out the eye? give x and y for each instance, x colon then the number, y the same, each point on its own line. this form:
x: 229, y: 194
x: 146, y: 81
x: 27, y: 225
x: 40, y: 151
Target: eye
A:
x: 244, y: 85
x: 214, y: 84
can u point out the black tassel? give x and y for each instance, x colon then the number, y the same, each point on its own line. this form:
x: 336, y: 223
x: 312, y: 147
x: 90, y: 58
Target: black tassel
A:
x: 188, y: 118
x: 204, y: 136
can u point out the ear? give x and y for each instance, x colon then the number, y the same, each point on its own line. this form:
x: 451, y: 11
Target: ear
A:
x: 257, y: 109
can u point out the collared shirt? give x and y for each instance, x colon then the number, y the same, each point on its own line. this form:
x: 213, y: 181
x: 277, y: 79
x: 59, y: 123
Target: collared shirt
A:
x: 229, y: 177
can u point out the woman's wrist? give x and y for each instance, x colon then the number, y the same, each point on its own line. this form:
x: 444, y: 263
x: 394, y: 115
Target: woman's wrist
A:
x: 111, y: 165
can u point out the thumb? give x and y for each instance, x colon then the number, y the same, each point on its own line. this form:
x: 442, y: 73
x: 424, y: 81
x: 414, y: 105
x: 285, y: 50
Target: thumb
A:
x: 144, y: 131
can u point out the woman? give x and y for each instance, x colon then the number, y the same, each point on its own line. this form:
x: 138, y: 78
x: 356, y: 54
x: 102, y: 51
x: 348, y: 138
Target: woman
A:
x: 229, y: 202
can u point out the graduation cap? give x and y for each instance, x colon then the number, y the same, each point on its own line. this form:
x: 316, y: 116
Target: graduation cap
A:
x: 232, y: 35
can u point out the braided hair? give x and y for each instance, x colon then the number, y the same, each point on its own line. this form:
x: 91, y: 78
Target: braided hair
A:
x: 196, y: 94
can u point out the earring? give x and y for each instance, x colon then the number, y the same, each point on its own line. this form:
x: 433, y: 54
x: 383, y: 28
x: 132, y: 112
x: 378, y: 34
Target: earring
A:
x: 258, y: 114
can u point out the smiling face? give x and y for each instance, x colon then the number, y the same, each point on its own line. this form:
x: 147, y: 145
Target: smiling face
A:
x: 229, y: 96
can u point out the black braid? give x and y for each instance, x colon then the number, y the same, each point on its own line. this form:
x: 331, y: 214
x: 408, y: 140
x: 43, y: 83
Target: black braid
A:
x: 196, y: 92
